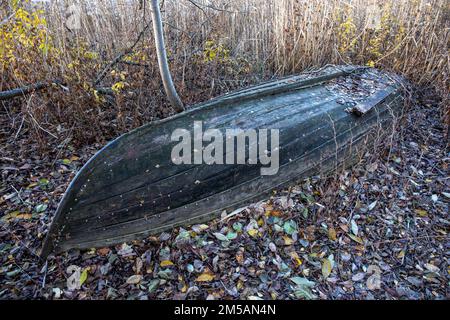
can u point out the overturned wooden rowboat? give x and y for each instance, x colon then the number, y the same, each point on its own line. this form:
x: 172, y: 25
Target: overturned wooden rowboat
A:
x: 132, y: 188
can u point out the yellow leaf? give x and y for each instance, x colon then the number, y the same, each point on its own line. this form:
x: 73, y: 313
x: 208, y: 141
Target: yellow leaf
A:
x: 25, y: 216
x: 288, y: 241
x: 326, y: 268
x: 32, y: 185
x: 356, y: 239
x: 421, y: 212
x: 10, y: 216
x: 371, y: 64
x: 84, y: 276
x: 166, y: 263
x: 332, y: 234
x: 205, y: 277
x: 401, y: 254
x: 296, y: 258
x: 253, y: 233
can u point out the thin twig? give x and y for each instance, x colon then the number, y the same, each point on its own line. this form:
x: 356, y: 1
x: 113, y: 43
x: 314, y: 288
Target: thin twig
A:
x: 119, y: 57
x: 200, y: 5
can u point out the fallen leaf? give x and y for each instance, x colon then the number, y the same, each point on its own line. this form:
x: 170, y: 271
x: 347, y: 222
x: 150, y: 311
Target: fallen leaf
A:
x: 240, y: 257
x: 253, y: 233
x: 32, y: 185
x: 296, y: 258
x: 300, y: 281
x: 199, y: 228
x: 355, y: 228
x: 356, y: 239
x: 372, y: 206
x: 139, y: 265
x: 431, y: 267
x: 134, y: 279
x: 288, y: 241
x: 40, y: 208
x: 326, y: 268
x: 205, y: 277
x: 332, y: 234
x: 421, y: 212
x: 220, y: 236
x: 374, y: 281
x: 84, y: 276
x: 166, y: 263
x: 103, y: 251
x: 358, y: 277
x: 254, y: 298
x: 272, y: 247
x: 290, y: 227
x: 153, y: 285
x: 231, y: 235
x: 274, y: 213
x: 43, y: 182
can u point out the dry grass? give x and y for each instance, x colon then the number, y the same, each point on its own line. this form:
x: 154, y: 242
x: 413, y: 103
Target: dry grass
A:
x: 214, y: 47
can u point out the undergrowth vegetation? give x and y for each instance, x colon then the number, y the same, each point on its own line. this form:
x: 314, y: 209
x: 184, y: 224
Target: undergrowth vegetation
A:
x: 101, y: 54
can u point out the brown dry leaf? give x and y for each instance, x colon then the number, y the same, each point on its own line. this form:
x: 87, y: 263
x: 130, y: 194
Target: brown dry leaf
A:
x: 103, y: 251
x: 24, y: 216
x: 275, y: 213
